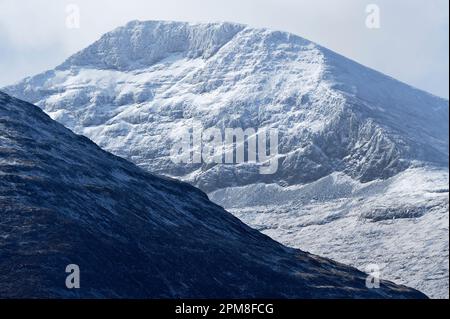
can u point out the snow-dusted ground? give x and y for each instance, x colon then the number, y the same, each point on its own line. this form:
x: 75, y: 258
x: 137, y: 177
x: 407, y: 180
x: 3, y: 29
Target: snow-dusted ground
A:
x: 133, y: 91
x: 343, y: 128
x: 400, y: 224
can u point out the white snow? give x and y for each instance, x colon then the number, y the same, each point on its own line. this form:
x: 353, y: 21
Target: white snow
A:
x: 400, y: 224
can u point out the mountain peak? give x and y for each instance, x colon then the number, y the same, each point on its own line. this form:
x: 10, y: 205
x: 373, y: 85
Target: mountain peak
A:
x: 154, y: 76
x: 142, y: 43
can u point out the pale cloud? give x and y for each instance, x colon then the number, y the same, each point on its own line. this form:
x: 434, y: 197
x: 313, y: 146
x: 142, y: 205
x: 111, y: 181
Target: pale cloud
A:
x: 411, y: 45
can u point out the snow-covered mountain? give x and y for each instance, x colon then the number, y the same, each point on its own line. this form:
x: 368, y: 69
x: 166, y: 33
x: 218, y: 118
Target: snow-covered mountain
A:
x: 64, y: 201
x: 341, y: 126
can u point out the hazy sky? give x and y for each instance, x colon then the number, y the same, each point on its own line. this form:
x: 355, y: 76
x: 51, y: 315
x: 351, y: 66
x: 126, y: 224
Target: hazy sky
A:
x: 411, y: 44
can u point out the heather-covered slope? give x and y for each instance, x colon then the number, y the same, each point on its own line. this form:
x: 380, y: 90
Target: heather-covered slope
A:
x: 65, y: 201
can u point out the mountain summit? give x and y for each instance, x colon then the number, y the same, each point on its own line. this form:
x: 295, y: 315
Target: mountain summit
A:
x: 134, y: 88
x: 362, y: 158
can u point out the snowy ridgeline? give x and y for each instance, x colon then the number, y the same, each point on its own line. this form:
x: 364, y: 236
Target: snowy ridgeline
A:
x: 340, y: 124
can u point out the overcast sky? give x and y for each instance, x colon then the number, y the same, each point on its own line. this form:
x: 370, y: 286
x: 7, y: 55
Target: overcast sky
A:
x: 410, y: 45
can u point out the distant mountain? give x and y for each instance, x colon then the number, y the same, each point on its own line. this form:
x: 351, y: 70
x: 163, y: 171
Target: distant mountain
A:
x: 135, y: 89
x: 133, y: 235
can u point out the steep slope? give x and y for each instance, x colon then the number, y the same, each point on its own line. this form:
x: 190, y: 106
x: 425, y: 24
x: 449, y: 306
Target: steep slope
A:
x: 136, y: 90
x: 65, y: 201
